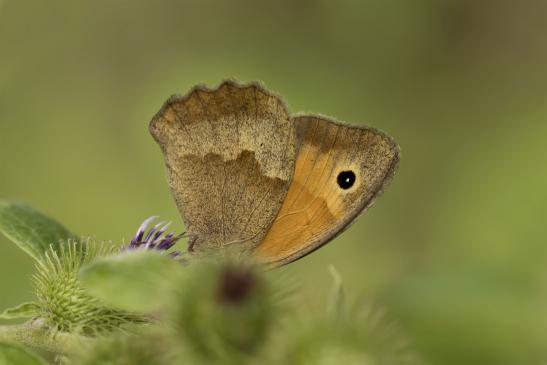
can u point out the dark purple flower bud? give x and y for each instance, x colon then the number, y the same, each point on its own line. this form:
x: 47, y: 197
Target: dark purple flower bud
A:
x: 154, y: 238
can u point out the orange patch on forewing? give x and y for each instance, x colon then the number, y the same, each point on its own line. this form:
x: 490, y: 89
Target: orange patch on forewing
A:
x: 311, y: 207
x: 316, y: 207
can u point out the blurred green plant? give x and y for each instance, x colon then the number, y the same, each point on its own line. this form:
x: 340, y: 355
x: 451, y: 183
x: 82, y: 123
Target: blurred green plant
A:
x: 15, y: 355
x: 225, y: 310
x: 96, y: 304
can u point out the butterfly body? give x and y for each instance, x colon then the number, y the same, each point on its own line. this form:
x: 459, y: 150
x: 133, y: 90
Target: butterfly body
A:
x: 246, y: 173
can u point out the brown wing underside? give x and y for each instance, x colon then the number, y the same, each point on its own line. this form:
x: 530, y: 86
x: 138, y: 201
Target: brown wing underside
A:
x: 316, y: 208
x: 230, y: 156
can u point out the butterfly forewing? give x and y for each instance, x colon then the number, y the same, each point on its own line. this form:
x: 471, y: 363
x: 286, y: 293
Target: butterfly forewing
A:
x: 340, y: 170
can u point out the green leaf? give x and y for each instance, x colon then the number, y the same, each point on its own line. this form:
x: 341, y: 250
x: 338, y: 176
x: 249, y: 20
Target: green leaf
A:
x: 15, y: 355
x: 135, y: 280
x: 31, y: 230
x: 25, y: 310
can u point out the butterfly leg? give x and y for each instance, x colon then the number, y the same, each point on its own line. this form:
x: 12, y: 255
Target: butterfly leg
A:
x: 191, y: 242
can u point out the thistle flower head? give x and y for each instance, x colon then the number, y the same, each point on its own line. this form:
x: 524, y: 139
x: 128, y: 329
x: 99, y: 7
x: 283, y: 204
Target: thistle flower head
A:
x: 224, y: 309
x: 155, y: 237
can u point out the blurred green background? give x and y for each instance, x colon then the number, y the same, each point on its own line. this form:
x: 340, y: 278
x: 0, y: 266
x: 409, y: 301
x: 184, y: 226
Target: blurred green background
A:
x: 455, y: 250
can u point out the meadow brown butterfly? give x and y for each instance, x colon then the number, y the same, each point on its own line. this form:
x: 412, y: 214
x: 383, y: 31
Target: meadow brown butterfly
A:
x: 245, y: 172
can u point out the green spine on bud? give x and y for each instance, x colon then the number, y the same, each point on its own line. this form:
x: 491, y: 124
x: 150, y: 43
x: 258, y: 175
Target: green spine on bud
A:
x: 63, y: 304
x: 224, y: 309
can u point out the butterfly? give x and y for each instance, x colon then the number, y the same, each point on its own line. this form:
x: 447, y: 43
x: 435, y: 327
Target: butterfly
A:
x: 246, y: 173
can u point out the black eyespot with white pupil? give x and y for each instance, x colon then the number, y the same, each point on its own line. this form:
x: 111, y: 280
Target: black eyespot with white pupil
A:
x: 346, y: 179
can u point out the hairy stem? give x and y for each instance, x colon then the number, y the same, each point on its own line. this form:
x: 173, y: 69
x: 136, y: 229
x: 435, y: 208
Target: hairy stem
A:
x: 35, y: 336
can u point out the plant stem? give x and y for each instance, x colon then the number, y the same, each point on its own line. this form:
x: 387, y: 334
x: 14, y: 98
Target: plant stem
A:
x: 35, y: 336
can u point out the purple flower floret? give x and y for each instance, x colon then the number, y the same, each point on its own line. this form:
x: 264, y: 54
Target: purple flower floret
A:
x: 154, y: 238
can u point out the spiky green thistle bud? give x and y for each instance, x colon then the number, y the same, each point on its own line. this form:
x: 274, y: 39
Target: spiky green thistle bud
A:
x: 63, y: 304
x: 361, y: 336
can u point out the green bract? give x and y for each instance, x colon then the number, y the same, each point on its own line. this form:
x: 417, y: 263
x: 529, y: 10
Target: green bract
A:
x: 114, y: 280
x: 25, y: 310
